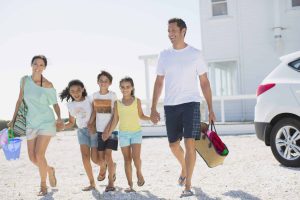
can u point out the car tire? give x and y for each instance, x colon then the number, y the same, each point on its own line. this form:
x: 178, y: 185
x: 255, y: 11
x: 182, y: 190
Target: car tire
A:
x: 283, y: 144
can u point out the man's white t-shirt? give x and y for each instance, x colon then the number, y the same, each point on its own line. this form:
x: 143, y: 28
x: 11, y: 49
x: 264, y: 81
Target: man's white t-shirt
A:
x: 81, y: 110
x: 104, y: 107
x: 181, y: 70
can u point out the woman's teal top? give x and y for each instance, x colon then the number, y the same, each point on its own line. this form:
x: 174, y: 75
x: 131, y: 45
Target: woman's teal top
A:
x: 38, y: 100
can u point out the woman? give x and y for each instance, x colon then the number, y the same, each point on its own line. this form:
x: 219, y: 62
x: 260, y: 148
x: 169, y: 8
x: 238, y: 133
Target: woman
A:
x: 39, y: 94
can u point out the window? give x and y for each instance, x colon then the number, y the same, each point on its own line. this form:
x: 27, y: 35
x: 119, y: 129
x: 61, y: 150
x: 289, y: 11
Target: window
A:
x: 295, y: 3
x: 295, y: 65
x: 219, y: 7
x: 223, y: 78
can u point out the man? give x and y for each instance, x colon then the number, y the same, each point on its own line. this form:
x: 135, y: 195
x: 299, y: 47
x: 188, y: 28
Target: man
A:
x: 182, y: 67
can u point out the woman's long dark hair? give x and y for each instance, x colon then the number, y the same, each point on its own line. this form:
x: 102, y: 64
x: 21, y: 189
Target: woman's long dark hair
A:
x: 128, y: 79
x: 65, y: 94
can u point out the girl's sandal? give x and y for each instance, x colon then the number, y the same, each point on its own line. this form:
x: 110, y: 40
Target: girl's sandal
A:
x: 88, y: 188
x: 110, y: 189
x: 141, y: 182
x: 43, y: 191
x: 102, y: 176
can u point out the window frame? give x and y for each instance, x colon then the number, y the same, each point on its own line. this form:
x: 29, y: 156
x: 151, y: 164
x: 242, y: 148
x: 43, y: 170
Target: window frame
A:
x: 291, y: 4
x: 216, y: 3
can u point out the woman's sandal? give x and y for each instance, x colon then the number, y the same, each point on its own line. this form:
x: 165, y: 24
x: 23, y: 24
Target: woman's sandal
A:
x: 52, y: 178
x: 181, y: 181
x: 88, y: 188
x: 102, y: 176
x: 43, y: 191
x: 110, y: 189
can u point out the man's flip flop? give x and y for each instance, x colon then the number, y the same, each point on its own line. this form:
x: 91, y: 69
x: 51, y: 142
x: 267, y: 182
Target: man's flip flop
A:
x: 43, y: 191
x: 181, y: 181
x: 186, y: 193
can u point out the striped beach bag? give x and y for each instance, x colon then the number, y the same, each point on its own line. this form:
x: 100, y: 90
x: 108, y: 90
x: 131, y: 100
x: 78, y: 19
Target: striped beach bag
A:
x: 20, y: 121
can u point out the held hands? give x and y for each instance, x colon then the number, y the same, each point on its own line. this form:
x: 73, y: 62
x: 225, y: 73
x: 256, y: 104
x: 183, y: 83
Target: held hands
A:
x: 105, y: 135
x: 60, y: 124
x: 154, y: 116
x: 91, y: 128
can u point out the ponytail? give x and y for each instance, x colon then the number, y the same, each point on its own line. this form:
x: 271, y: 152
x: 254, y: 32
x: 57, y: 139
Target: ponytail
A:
x: 65, y: 94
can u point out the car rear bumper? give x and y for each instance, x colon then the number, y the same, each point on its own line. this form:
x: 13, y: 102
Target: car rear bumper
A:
x: 261, y: 130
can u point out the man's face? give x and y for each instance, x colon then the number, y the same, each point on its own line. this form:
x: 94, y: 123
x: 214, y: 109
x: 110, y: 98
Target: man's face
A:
x: 175, y: 34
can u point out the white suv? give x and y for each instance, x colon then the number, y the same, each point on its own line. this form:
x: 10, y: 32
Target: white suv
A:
x: 277, y: 110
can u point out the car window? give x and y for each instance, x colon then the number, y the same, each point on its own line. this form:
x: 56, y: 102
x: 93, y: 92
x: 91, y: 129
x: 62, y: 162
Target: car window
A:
x: 295, y: 65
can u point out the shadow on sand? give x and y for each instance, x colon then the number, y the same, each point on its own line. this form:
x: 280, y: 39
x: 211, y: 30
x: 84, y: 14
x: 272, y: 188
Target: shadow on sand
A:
x: 120, y: 194
x: 203, y: 196
x: 238, y: 194
x: 291, y: 168
x: 49, y: 196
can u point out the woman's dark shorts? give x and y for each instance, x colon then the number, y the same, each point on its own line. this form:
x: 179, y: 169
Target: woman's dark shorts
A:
x: 182, y: 120
x: 110, y: 143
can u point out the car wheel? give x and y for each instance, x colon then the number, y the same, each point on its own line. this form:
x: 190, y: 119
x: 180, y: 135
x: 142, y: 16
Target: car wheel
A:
x: 285, y: 142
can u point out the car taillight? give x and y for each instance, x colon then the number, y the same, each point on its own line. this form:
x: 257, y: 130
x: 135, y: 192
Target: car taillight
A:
x: 263, y: 88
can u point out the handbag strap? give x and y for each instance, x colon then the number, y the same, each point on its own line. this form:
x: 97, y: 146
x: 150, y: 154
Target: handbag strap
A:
x: 212, y: 126
x: 23, y: 85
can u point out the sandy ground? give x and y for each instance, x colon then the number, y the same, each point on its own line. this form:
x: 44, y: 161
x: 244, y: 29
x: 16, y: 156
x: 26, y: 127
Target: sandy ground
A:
x: 249, y: 172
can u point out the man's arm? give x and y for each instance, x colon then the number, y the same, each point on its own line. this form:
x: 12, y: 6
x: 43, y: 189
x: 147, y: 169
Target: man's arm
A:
x: 158, y: 86
x: 206, y: 90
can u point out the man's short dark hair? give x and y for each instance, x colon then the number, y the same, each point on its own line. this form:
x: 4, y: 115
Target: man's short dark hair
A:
x: 180, y: 23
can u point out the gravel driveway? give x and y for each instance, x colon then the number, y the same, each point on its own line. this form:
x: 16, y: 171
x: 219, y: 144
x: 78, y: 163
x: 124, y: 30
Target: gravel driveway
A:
x: 250, y: 172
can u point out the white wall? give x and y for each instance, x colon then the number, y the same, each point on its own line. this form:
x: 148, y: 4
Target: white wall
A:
x: 219, y: 34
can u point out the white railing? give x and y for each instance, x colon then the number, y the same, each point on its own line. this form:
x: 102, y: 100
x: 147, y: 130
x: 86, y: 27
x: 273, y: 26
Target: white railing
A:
x: 222, y: 99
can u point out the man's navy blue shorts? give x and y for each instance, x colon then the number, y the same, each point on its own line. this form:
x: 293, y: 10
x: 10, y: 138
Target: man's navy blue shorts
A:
x: 182, y: 120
